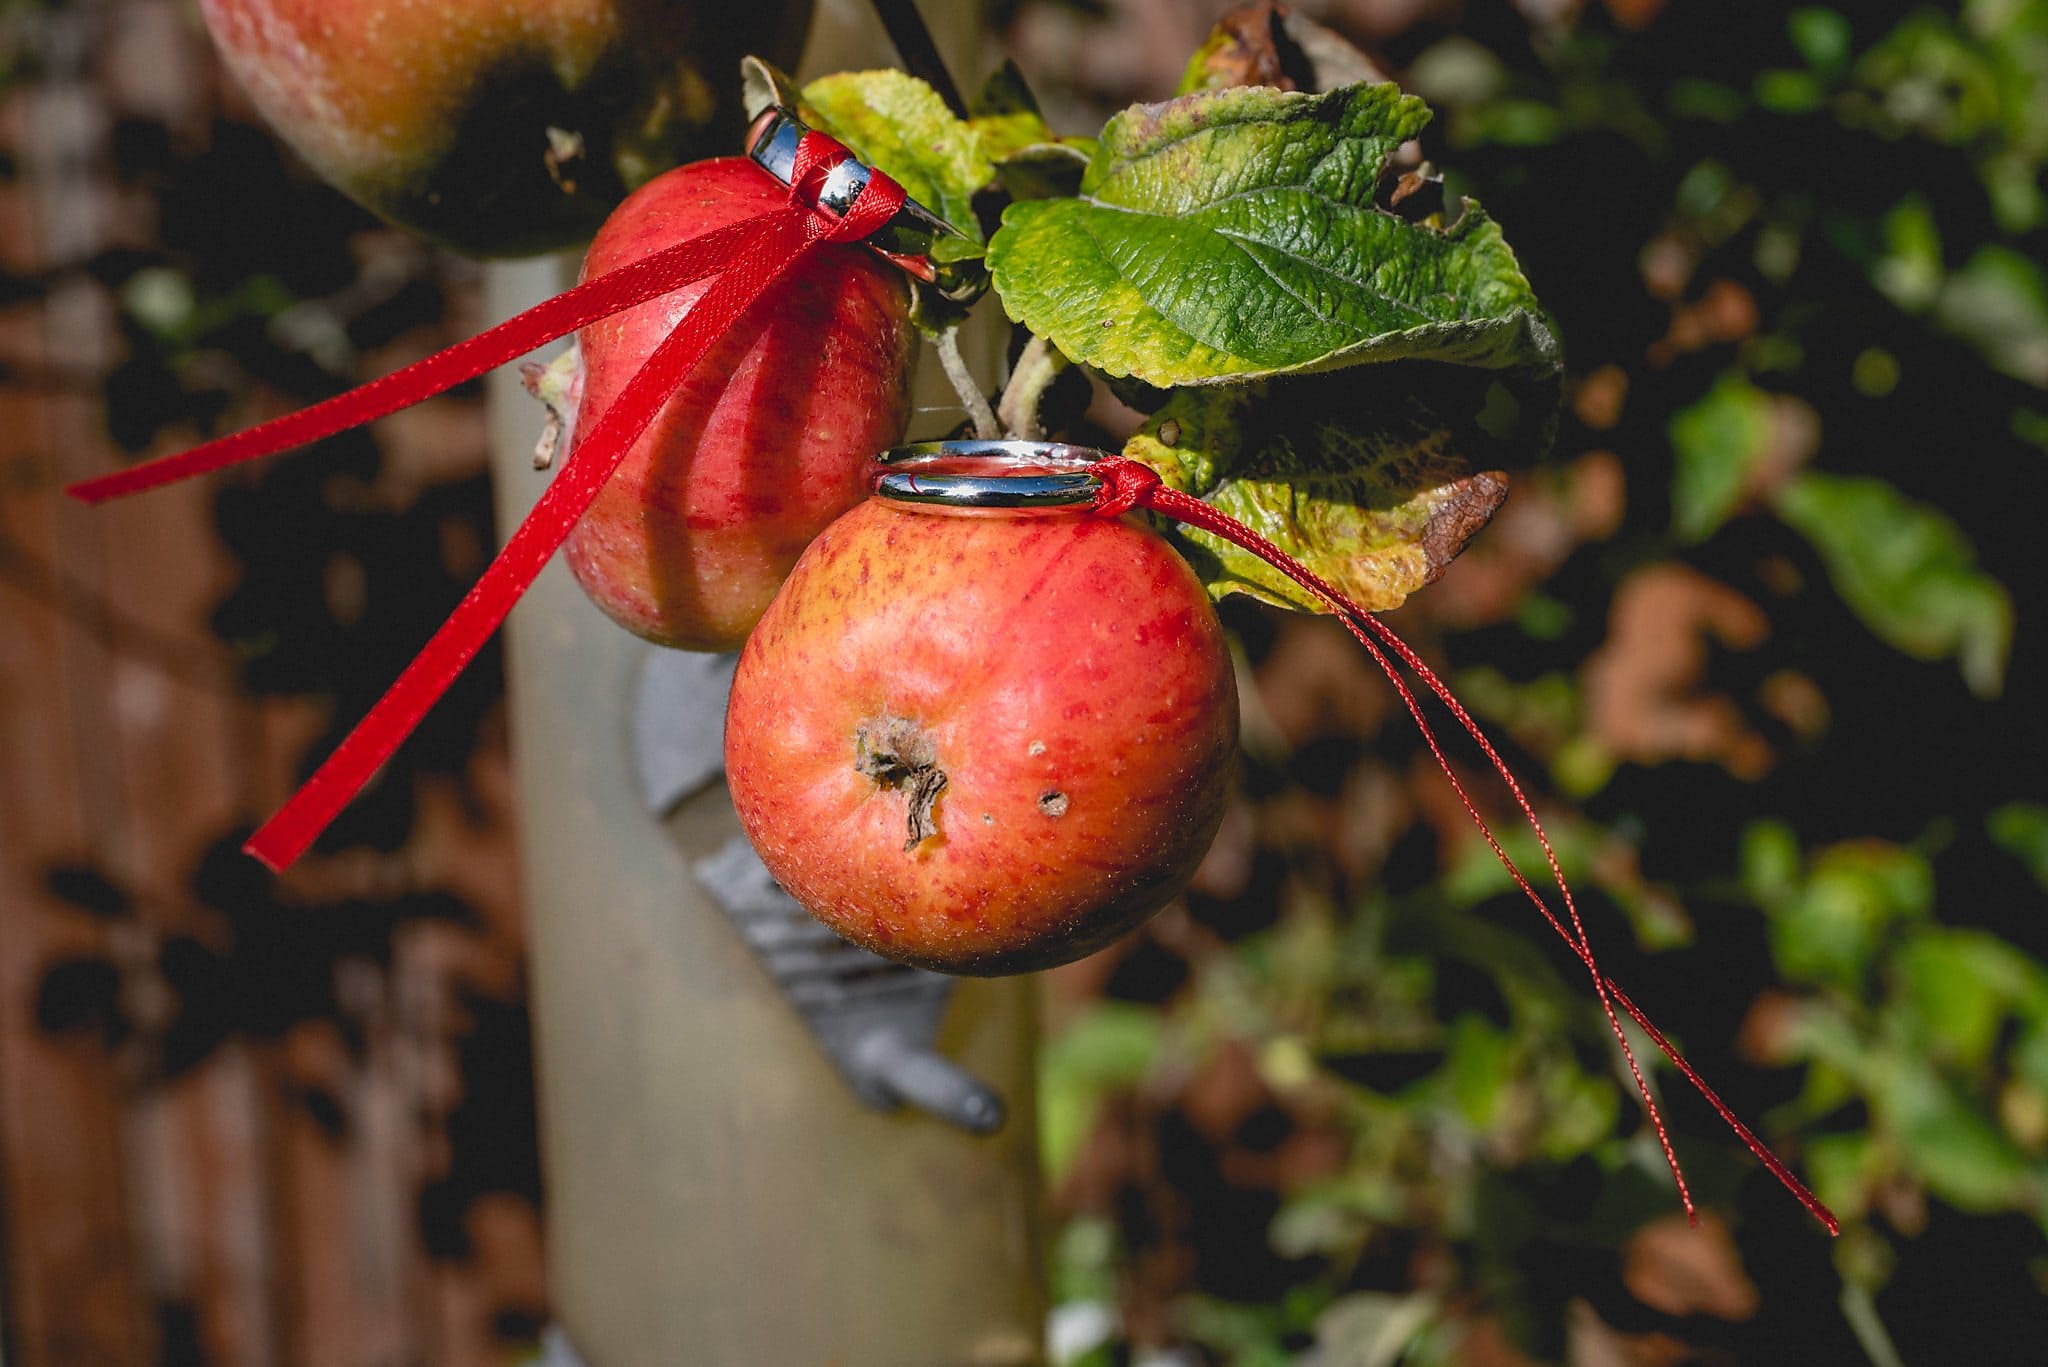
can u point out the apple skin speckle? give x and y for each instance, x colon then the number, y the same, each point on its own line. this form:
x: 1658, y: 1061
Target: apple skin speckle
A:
x: 499, y: 127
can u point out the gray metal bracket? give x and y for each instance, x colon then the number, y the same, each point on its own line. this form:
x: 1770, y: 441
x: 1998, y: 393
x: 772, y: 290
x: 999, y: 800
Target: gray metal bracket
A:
x: 877, y: 1020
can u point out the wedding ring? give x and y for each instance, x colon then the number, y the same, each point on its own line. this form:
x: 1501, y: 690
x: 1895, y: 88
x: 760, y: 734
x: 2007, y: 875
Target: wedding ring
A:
x: 909, y: 239
x: 989, y: 474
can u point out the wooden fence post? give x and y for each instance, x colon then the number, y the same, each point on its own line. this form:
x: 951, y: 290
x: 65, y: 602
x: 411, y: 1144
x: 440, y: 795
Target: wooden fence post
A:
x: 714, y: 1193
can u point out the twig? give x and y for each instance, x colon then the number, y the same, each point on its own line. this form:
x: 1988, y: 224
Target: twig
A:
x: 1876, y: 1341
x: 1038, y: 366
x: 920, y: 54
x: 986, y: 428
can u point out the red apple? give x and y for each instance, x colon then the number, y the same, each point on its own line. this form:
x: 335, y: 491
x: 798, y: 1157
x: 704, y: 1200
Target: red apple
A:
x: 499, y: 127
x: 983, y: 743
x: 769, y: 439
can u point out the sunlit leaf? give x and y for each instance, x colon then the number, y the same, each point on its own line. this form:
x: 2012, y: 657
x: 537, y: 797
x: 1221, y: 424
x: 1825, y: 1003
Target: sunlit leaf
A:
x: 1958, y: 987
x: 1907, y: 571
x: 1233, y: 234
x: 1954, y: 1147
x: 1718, y: 442
x: 1375, y: 480
x: 1830, y: 931
x: 1998, y: 302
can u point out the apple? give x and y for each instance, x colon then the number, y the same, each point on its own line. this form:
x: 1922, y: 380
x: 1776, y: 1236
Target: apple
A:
x: 499, y: 127
x: 768, y: 440
x: 983, y: 743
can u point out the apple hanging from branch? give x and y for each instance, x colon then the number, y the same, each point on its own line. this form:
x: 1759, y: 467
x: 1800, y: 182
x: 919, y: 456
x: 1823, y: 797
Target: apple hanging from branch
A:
x: 764, y: 444
x: 983, y: 742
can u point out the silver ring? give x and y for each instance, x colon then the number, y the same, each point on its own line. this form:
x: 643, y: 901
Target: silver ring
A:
x: 907, y: 239
x: 990, y: 474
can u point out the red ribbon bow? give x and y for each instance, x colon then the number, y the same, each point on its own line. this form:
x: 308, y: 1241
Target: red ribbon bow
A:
x: 745, y: 257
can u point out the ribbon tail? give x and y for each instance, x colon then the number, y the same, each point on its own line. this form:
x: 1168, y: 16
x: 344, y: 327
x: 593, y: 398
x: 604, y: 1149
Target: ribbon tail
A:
x: 1356, y: 620
x: 1138, y: 486
x: 649, y: 278
x: 774, y: 242
x: 1611, y: 993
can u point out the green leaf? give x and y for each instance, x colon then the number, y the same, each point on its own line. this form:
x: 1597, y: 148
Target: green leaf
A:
x: 896, y: 122
x: 1358, y: 476
x: 1771, y: 862
x: 1232, y: 234
x: 1830, y: 930
x: 2021, y: 830
x: 2029, y: 1057
x: 1822, y: 37
x: 1718, y: 442
x: 900, y: 124
x: 1957, y: 987
x: 1579, y: 1110
x: 1004, y: 92
x: 1840, y: 1168
x: 1907, y: 571
x: 1030, y: 161
x: 1001, y: 137
x: 1109, y: 1048
x: 1910, y: 273
x: 1477, y: 1071
x: 1084, y: 1261
x: 1998, y: 302
x: 1335, y: 1214
x: 1788, y: 92
x: 1954, y: 1147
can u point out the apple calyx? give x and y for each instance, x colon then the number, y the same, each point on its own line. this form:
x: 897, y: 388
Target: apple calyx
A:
x: 558, y: 384
x: 898, y: 754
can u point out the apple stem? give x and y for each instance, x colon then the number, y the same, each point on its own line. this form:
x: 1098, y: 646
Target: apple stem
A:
x: 947, y: 344
x: 1127, y: 485
x: 913, y: 42
x: 1038, y: 366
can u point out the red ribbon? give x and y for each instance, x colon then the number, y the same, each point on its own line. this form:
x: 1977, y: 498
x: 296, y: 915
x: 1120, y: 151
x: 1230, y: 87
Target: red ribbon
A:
x: 1127, y: 485
x: 745, y: 257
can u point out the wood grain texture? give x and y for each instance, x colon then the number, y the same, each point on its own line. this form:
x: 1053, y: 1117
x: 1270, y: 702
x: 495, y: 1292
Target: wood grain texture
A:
x: 256, y: 1198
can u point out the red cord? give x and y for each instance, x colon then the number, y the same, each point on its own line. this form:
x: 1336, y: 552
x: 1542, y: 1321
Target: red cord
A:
x: 1126, y: 485
x: 649, y: 278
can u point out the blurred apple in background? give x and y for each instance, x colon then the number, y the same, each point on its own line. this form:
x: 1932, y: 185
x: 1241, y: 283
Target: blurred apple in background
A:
x: 500, y: 127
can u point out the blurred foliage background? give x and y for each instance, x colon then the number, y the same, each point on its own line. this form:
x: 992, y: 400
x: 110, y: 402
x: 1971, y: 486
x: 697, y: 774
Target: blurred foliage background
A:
x: 1763, y: 629
x: 1761, y: 634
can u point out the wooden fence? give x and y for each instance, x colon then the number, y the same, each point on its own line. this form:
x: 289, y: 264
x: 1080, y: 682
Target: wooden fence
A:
x: 238, y: 1127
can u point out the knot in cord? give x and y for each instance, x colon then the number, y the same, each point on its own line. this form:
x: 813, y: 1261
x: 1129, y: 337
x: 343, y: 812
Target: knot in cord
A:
x: 816, y: 156
x: 1126, y: 484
